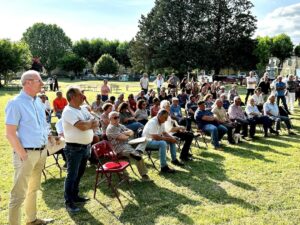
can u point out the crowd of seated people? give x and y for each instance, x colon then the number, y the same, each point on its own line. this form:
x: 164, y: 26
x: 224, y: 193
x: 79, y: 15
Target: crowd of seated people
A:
x: 173, y: 114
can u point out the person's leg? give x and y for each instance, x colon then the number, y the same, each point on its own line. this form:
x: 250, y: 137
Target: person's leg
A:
x: 244, y: 125
x: 287, y: 121
x: 34, y: 185
x: 213, y: 131
x: 173, y: 151
x: 292, y: 100
x: 247, y: 95
x: 84, y: 155
x: 134, y: 126
x: 222, y: 130
x: 23, y: 171
x: 162, y: 146
x: 73, y: 163
x: 187, y: 138
x: 252, y: 123
x: 229, y: 133
x: 284, y: 104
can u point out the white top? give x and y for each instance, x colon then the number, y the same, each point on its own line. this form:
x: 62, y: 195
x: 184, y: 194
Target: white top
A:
x: 169, y: 125
x: 70, y: 117
x: 144, y: 82
x: 252, y: 109
x: 251, y: 80
x: 258, y: 99
x: 153, y: 127
x: 59, y: 127
x: 159, y: 82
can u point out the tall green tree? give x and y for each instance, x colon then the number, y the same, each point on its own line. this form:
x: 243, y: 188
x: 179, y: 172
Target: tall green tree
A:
x: 282, y: 47
x: 14, y: 56
x: 72, y: 62
x: 263, y: 52
x: 193, y: 33
x: 297, y: 50
x: 106, y: 64
x: 48, y: 42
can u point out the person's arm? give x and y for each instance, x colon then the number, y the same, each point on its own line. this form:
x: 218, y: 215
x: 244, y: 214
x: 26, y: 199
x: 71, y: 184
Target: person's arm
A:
x: 86, y: 125
x: 11, y: 135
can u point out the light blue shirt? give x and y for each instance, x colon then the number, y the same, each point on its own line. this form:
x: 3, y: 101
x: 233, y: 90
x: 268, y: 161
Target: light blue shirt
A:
x: 28, y: 114
x: 271, y: 108
x: 176, y: 111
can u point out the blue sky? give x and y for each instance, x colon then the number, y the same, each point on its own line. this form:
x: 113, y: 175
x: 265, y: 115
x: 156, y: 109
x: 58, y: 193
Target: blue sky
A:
x: 118, y: 19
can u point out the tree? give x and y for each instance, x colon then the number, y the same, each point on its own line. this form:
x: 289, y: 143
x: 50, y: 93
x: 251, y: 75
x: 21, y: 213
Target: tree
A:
x: 72, y: 62
x: 263, y: 52
x: 14, y: 56
x: 106, y: 64
x: 297, y: 50
x: 48, y: 42
x: 122, y: 54
x: 282, y: 47
x: 190, y: 34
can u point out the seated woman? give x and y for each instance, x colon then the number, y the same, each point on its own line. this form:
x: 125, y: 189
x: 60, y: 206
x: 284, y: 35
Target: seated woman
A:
x: 258, y: 99
x: 174, y: 129
x: 127, y: 117
x: 119, y: 100
x: 104, y: 120
x: 97, y: 105
x: 132, y: 102
x: 208, y: 99
x: 141, y: 114
x: 225, y: 101
x: 155, y: 108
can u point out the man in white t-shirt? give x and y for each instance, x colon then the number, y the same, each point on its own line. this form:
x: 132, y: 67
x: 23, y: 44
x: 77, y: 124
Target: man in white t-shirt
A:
x: 251, y: 84
x: 144, y: 82
x: 78, y: 126
x: 155, y: 131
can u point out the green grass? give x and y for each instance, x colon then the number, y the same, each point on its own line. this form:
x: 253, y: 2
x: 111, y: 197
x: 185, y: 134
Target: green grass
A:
x: 251, y: 183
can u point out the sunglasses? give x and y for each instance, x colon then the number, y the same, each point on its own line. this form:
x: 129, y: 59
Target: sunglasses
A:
x: 116, y: 117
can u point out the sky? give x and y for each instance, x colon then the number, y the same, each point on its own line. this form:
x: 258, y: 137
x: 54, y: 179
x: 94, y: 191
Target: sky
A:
x: 118, y: 19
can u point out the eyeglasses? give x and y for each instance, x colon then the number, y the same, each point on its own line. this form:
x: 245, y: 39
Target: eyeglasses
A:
x: 115, y: 117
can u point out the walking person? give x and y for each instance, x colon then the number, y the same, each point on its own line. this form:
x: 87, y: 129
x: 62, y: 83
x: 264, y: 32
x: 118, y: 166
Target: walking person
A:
x: 251, y: 84
x: 78, y: 125
x: 27, y: 133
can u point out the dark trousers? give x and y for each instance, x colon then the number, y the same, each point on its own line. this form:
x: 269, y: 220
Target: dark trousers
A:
x: 230, y: 128
x: 186, y: 122
x: 283, y: 100
x: 187, y: 137
x: 76, y: 163
x: 243, y: 123
x: 265, y: 121
x: 249, y: 92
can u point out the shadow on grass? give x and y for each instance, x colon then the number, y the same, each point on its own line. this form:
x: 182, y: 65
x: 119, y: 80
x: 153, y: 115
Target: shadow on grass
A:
x: 153, y: 202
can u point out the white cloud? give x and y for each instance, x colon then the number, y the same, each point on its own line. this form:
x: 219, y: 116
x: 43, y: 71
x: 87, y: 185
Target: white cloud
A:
x: 281, y: 20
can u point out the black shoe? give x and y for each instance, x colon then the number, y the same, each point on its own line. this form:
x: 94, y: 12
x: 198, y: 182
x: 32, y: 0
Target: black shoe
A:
x: 167, y: 169
x: 177, y: 163
x: 190, y: 155
x: 81, y: 199
x: 186, y: 159
x: 72, y: 208
x: 292, y: 133
x: 136, y: 157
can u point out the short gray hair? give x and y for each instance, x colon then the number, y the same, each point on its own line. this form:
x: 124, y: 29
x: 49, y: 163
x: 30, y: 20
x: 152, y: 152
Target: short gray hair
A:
x: 72, y: 92
x: 164, y: 104
x: 28, y: 75
x: 111, y: 114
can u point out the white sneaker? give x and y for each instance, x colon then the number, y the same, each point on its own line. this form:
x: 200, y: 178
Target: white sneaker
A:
x: 236, y: 138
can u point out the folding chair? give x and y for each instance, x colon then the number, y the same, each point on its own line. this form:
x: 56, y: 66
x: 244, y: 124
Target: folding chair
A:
x: 103, y: 150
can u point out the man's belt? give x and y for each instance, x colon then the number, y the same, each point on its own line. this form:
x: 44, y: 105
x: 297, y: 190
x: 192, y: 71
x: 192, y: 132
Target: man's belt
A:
x: 36, y: 149
x: 76, y: 145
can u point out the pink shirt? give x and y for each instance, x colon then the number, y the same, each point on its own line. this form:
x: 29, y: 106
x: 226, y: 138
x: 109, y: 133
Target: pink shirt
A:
x: 105, y: 90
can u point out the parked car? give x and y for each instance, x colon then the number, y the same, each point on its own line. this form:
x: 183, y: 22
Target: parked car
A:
x: 231, y: 78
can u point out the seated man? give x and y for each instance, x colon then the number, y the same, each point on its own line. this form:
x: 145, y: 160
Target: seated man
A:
x: 271, y: 109
x: 236, y: 114
x: 191, y: 107
x: 118, y: 136
x: 155, y: 131
x: 256, y: 117
x: 221, y: 114
x: 175, y: 113
x: 59, y: 104
x: 210, y: 124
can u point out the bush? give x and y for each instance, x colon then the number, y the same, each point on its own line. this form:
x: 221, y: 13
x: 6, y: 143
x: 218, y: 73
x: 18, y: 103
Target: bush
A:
x: 106, y: 64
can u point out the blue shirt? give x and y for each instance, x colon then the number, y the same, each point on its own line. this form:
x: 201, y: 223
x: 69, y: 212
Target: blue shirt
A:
x: 200, y: 122
x: 28, y: 114
x: 282, y: 86
x: 176, y: 111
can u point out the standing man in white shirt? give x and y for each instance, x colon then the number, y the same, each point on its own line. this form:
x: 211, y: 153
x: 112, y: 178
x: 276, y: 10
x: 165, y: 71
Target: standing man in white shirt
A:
x: 144, y: 82
x: 251, y: 84
x: 159, y: 82
x: 78, y: 126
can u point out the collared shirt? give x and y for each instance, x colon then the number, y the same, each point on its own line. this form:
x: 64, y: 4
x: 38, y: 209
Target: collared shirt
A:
x: 153, y: 127
x: 271, y: 108
x: 159, y: 82
x: 236, y: 112
x: 176, y: 111
x: 282, y: 87
x: 252, y: 109
x: 28, y: 114
x: 200, y: 122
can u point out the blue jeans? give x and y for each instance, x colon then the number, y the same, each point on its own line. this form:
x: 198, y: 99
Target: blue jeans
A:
x: 162, y: 146
x: 76, y: 162
x: 216, y: 132
x: 134, y: 126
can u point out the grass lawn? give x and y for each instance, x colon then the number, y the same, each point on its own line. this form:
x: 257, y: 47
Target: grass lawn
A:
x: 250, y: 183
